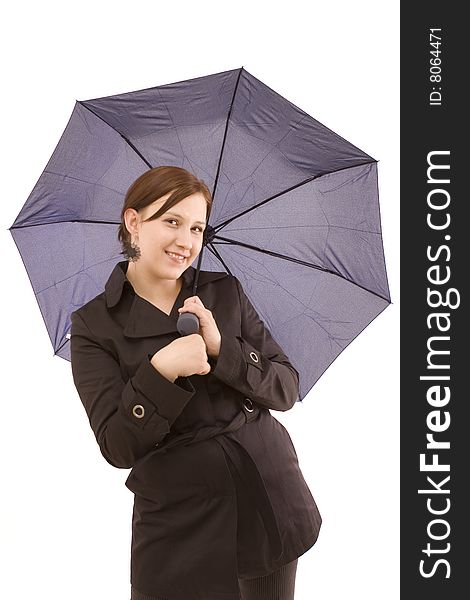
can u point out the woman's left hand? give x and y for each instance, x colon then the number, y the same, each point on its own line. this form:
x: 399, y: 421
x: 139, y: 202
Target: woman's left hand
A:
x: 207, y: 326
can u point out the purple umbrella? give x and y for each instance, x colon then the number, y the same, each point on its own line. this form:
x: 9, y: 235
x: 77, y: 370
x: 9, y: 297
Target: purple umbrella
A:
x: 295, y: 213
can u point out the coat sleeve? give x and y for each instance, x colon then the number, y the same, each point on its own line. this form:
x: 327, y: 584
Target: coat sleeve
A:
x: 128, y: 418
x: 254, y: 363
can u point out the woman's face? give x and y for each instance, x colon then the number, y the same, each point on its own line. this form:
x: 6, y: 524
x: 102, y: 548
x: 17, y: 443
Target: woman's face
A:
x: 179, y: 230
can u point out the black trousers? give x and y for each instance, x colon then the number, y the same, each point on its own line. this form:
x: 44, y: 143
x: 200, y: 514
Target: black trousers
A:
x: 278, y: 585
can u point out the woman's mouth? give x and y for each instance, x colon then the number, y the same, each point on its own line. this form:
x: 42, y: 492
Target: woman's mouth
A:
x: 175, y: 257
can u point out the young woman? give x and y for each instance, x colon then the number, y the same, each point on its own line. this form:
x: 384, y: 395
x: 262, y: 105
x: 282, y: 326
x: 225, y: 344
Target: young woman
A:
x: 221, y: 509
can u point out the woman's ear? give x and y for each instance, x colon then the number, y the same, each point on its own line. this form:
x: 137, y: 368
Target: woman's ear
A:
x: 131, y: 218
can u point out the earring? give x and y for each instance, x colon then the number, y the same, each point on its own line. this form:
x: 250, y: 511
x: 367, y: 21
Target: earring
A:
x: 133, y: 253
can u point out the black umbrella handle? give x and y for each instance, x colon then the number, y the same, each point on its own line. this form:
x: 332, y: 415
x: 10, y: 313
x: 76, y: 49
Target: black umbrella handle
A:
x: 187, y: 323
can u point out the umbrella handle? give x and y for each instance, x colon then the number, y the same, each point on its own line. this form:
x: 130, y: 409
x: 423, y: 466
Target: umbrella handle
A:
x: 187, y: 323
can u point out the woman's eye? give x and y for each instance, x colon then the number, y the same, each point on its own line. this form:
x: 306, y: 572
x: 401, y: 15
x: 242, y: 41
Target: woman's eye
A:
x: 176, y: 221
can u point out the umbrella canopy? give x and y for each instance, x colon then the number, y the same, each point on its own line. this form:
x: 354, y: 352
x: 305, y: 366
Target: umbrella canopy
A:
x: 295, y: 213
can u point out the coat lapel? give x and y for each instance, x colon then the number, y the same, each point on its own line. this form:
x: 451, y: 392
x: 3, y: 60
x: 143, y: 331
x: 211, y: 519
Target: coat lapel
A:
x: 145, y: 319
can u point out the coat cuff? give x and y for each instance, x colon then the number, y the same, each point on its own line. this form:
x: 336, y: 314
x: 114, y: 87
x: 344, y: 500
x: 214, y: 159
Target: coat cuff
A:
x: 236, y: 357
x: 157, y: 393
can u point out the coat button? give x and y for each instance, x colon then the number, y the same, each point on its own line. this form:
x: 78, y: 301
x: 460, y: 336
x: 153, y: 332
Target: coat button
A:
x: 254, y: 357
x: 248, y: 404
x: 138, y: 411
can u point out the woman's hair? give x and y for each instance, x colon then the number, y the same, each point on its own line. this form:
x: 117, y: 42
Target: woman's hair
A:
x: 152, y: 185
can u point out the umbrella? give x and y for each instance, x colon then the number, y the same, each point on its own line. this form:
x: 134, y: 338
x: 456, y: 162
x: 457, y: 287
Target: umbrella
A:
x: 295, y: 213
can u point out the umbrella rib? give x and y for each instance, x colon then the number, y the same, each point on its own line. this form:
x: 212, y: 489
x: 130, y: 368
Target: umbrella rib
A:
x: 94, y: 221
x: 296, y: 260
x: 225, y: 134
x: 214, y: 250
x: 293, y: 187
x: 119, y: 133
x: 217, y: 255
x: 67, y: 340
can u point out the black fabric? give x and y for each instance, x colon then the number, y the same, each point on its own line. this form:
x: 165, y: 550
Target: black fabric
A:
x: 185, y: 514
x: 279, y: 585
x: 252, y: 531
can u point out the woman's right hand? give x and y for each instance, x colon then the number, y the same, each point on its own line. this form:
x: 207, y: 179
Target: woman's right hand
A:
x: 182, y: 357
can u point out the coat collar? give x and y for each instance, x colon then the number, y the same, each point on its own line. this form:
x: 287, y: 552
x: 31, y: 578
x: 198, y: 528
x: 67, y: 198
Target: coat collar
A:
x: 144, y: 318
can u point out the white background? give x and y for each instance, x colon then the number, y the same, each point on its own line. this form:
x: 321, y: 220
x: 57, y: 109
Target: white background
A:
x: 65, y: 512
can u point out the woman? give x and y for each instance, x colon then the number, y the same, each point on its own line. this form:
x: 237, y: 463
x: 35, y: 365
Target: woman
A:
x: 221, y: 509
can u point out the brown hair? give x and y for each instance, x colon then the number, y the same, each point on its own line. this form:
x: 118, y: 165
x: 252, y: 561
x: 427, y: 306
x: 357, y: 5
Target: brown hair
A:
x: 152, y: 185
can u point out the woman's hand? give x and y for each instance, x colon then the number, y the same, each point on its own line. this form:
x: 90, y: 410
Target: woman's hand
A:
x: 185, y: 356
x: 207, y: 326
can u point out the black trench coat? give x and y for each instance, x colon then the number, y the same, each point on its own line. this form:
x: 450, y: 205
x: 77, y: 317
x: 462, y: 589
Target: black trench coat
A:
x: 218, y: 492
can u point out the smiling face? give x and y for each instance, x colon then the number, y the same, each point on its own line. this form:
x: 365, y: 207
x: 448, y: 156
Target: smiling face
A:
x: 179, y: 230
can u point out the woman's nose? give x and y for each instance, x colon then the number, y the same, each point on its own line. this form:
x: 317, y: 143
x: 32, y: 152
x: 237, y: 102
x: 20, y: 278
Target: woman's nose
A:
x: 184, y: 239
